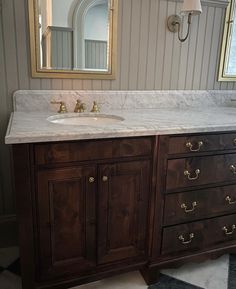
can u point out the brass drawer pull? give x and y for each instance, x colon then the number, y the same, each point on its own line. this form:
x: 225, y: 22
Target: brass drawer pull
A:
x: 182, y: 239
x: 191, y: 146
x: 229, y: 200
x: 105, y: 178
x: 91, y: 180
x: 188, y: 174
x: 233, y: 169
x: 226, y: 230
x: 234, y: 141
x: 194, y: 205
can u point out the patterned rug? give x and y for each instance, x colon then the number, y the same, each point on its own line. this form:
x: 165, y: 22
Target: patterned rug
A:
x: 209, y: 275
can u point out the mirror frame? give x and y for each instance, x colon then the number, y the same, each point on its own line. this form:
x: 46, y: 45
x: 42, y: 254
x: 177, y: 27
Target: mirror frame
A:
x: 226, y: 44
x: 38, y: 72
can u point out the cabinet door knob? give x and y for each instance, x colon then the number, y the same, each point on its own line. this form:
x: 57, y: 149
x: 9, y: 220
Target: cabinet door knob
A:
x: 189, y: 175
x: 184, y: 242
x: 229, y: 200
x: 91, y: 180
x: 105, y: 178
x: 191, y: 146
x: 227, y: 232
x: 194, y: 205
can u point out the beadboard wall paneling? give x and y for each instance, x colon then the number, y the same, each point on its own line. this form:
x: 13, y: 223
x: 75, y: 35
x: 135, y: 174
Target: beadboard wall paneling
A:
x: 149, y: 57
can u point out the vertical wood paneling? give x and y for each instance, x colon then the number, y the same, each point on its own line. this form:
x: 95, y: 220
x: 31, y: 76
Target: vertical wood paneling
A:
x: 169, y: 51
x: 183, y: 64
x: 176, y: 50
x: 149, y: 57
x: 191, y: 54
x: 143, y: 44
x: 161, y: 37
x: 152, y: 44
x: 207, y: 47
x: 95, y: 54
x: 215, y: 50
x: 134, y: 48
x: 200, y: 49
x: 125, y: 44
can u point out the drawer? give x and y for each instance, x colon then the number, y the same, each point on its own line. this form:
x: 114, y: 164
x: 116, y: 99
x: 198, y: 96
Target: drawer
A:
x: 196, y: 171
x: 201, y: 143
x: 90, y: 150
x: 199, y: 204
x: 198, y: 235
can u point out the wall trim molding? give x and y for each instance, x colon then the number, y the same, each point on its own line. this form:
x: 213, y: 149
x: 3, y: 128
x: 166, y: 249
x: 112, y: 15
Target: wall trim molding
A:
x: 214, y: 3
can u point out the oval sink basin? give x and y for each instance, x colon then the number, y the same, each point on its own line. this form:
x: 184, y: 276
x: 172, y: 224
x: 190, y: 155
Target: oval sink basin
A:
x: 85, y: 119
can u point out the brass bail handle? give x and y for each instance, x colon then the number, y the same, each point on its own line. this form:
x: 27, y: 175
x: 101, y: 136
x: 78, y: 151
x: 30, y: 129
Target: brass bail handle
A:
x: 233, y: 169
x: 191, y: 146
x: 190, y: 176
x: 185, y: 207
x: 227, y: 231
x: 230, y: 201
x: 184, y: 241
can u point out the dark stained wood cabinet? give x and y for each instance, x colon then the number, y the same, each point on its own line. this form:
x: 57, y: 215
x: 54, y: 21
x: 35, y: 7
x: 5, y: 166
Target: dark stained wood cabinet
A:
x: 123, y: 211
x: 92, y: 209
x: 66, y: 206
x: 83, y: 209
x: 195, y: 207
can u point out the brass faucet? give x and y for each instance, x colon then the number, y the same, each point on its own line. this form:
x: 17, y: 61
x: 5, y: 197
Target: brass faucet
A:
x: 95, y: 107
x: 62, y: 108
x: 80, y: 106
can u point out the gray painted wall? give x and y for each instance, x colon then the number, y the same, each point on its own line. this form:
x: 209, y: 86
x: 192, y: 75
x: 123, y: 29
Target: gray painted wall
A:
x: 149, y: 57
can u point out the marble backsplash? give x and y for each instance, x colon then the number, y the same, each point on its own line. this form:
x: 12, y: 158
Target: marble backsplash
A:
x: 40, y: 100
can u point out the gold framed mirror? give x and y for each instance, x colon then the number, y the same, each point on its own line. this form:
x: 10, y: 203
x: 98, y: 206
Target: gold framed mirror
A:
x: 73, y: 38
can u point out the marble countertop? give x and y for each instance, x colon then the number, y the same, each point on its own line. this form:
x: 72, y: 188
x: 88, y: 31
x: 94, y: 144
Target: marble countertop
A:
x: 32, y: 127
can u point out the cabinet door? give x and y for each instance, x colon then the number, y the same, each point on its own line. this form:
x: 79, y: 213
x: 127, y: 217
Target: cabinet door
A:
x: 65, y: 213
x: 122, y: 210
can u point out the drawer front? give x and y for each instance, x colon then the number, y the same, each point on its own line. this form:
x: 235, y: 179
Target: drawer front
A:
x: 201, y: 143
x: 199, y: 204
x: 52, y: 153
x: 197, y: 171
x: 199, y: 235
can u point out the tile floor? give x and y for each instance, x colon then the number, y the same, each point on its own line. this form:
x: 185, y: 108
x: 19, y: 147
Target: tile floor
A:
x: 217, y: 274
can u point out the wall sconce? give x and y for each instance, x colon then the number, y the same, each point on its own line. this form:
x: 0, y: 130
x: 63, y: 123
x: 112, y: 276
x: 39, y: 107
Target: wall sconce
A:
x: 190, y: 8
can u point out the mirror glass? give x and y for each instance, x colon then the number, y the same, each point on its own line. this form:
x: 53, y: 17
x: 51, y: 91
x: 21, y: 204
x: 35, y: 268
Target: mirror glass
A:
x: 228, y: 53
x: 72, y: 35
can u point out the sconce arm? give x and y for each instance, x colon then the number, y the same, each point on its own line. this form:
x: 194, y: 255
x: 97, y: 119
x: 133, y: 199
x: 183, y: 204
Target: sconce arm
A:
x: 174, y: 23
x: 189, y: 23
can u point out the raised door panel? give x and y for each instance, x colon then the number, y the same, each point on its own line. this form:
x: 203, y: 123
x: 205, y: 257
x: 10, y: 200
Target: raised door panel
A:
x: 122, y: 212
x: 66, y: 221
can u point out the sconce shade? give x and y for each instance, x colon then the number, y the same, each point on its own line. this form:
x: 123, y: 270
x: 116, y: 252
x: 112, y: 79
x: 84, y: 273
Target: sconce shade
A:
x: 191, y: 6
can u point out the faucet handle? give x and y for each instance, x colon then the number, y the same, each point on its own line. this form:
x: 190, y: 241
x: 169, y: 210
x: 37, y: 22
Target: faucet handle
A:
x: 62, y: 108
x: 95, y: 107
x: 80, y: 106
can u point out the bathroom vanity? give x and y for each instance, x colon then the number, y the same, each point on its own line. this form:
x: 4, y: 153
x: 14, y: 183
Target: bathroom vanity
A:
x: 154, y: 191
x: 91, y: 209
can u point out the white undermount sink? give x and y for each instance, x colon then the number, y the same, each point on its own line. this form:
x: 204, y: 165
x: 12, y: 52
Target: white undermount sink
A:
x: 85, y: 119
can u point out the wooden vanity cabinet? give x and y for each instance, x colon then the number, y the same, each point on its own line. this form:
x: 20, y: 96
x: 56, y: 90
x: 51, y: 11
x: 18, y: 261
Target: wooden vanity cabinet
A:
x: 92, y: 209
x: 195, y: 207
x: 83, y: 214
